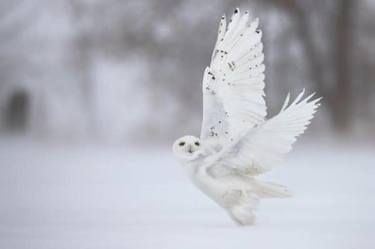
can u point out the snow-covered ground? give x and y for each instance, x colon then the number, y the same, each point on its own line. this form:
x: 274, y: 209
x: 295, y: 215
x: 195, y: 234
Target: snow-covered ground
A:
x: 90, y: 196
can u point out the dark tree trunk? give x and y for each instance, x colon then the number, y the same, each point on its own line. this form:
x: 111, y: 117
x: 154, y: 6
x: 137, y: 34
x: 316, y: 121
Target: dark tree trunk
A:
x: 341, y: 106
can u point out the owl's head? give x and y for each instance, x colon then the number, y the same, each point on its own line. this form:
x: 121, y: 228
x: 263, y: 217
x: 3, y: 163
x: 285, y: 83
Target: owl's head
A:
x: 185, y: 147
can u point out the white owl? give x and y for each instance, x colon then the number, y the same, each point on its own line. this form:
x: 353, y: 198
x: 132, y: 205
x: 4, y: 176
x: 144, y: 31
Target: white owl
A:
x: 237, y: 143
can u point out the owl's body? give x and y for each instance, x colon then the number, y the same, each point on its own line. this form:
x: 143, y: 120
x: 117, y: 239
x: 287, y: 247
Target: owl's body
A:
x: 238, y: 194
x: 237, y: 142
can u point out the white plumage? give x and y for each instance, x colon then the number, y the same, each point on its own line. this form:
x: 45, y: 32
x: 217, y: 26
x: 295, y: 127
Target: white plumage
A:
x: 237, y: 142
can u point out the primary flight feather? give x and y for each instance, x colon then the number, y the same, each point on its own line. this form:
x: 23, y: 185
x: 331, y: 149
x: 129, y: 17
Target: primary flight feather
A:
x: 237, y: 142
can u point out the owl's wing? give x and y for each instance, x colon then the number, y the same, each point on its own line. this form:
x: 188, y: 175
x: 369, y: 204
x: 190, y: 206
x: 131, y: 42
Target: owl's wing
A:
x: 260, y: 148
x: 233, y: 95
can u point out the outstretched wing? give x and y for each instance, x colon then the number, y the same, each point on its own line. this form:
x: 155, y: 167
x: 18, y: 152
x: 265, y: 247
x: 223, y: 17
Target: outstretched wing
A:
x: 233, y: 95
x: 262, y: 147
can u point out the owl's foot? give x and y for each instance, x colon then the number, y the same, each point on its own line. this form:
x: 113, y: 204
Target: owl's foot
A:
x: 242, y: 215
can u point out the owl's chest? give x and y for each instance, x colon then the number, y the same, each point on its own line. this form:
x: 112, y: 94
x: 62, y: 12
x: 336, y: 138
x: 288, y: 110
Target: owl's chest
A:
x: 211, y: 186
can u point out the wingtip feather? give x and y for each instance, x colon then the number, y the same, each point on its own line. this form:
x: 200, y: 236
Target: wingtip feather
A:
x: 286, y: 102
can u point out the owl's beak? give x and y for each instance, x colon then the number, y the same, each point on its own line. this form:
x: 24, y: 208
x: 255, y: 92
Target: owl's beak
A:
x: 190, y: 149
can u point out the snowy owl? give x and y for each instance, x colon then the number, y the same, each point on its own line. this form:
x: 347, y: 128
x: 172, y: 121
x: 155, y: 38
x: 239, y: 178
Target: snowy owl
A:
x: 236, y: 142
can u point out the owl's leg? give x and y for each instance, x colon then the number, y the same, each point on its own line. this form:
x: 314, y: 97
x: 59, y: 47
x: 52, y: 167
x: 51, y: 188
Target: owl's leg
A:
x: 242, y: 215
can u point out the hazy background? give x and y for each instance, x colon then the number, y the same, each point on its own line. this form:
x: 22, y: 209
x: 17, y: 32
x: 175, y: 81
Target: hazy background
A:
x: 118, y: 70
x: 93, y: 93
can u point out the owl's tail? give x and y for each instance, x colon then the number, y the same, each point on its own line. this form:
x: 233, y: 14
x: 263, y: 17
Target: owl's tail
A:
x: 243, y: 212
x: 271, y: 190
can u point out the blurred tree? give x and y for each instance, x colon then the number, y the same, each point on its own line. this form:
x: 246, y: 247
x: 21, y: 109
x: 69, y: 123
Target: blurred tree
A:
x: 15, y: 18
x: 82, y: 56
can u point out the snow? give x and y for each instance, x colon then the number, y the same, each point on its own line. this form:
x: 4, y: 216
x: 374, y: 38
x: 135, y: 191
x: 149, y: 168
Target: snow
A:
x: 96, y: 196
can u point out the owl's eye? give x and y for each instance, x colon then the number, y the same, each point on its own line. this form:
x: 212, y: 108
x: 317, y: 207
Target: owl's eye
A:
x: 197, y: 143
x: 181, y: 144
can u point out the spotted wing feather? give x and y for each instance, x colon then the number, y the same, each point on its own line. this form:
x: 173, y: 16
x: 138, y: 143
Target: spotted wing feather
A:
x: 233, y: 84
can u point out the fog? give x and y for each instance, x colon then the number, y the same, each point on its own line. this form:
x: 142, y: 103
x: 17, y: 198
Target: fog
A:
x: 93, y: 94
